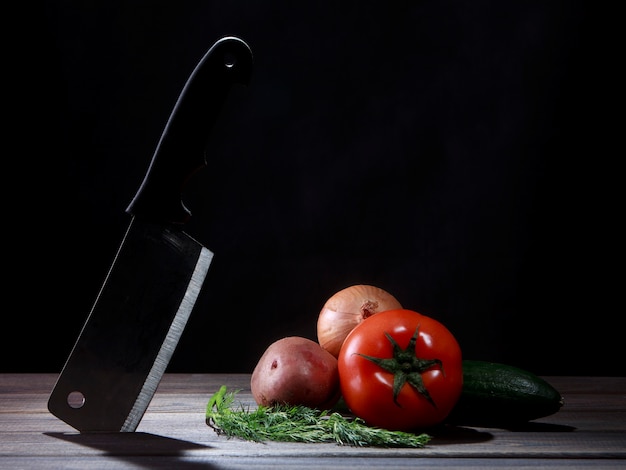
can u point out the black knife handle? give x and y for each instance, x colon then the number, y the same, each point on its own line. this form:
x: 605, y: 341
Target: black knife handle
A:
x: 181, y: 149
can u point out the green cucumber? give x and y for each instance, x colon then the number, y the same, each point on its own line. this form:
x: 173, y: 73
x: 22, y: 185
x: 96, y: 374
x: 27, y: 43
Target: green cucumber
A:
x: 501, y: 395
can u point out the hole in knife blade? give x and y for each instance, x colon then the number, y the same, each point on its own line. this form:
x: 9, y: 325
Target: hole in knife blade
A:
x: 229, y: 60
x: 75, y: 400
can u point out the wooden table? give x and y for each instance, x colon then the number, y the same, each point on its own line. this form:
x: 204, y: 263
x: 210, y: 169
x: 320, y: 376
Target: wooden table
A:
x: 588, y: 433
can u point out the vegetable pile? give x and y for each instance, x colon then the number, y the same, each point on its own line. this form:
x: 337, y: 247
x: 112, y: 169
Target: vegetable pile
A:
x: 397, y: 373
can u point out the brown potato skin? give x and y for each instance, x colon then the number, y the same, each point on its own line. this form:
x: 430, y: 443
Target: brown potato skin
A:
x: 296, y: 371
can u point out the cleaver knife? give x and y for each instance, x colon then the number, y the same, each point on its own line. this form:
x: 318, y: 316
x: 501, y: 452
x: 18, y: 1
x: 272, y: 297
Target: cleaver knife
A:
x: 149, y: 292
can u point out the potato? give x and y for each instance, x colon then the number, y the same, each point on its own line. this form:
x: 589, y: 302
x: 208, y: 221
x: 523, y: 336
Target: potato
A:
x: 296, y: 371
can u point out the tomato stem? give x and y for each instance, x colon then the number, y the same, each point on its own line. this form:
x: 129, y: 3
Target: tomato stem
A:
x: 406, y: 367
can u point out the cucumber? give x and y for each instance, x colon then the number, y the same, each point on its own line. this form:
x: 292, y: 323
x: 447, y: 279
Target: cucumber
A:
x: 501, y: 395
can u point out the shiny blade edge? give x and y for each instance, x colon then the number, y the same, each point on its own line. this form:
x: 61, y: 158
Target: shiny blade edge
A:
x: 169, y: 344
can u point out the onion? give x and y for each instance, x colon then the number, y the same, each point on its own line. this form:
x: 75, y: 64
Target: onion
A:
x: 346, y: 309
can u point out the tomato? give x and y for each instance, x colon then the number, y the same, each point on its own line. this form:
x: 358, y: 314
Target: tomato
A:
x: 400, y: 370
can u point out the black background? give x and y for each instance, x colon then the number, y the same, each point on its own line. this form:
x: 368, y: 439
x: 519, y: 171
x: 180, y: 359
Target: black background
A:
x: 464, y: 156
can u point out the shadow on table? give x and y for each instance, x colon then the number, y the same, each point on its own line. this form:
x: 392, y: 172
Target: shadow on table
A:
x: 450, y: 434
x: 539, y: 427
x: 468, y: 434
x: 139, y: 448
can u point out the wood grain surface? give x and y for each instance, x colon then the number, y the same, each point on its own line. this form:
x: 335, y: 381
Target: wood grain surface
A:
x: 589, y: 432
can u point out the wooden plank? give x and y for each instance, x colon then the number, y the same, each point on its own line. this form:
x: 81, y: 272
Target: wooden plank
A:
x: 590, y: 429
x: 296, y: 463
x: 170, y: 437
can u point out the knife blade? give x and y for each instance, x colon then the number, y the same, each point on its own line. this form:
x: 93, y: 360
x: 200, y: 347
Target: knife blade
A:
x: 142, y: 308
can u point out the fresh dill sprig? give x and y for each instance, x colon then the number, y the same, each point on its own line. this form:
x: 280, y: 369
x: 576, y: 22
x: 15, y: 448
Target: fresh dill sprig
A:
x: 288, y: 423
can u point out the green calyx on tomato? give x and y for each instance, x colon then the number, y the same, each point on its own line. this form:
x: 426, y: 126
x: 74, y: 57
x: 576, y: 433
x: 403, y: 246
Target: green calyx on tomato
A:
x: 406, y: 367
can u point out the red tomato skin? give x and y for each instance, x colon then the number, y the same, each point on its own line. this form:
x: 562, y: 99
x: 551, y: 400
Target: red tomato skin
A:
x: 367, y: 389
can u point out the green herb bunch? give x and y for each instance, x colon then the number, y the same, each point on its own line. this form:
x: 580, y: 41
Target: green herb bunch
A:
x: 299, y: 424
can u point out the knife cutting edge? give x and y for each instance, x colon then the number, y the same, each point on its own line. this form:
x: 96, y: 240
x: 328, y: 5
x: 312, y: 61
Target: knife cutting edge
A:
x: 156, y: 276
